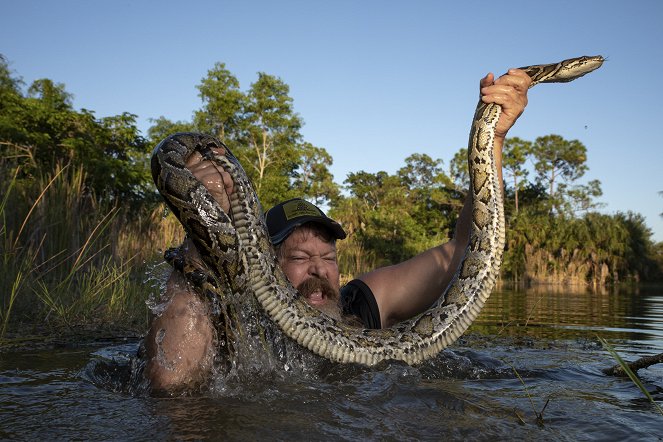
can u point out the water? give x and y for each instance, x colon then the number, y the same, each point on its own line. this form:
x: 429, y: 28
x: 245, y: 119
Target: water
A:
x: 471, y: 391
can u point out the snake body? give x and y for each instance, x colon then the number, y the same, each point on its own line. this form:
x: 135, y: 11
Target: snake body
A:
x: 236, y: 247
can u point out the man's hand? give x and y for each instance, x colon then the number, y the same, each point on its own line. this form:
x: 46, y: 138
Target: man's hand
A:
x: 509, y: 91
x: 218, y: 182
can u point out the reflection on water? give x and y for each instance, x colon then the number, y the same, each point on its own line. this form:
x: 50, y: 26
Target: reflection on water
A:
x: 469, y: 392
x: 635, y: 316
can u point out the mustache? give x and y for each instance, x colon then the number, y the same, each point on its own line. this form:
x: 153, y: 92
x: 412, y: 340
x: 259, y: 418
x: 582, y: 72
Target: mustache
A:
x: 310, y: 285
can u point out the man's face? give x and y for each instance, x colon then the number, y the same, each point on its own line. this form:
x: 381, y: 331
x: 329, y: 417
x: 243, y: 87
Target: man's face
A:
x: 310, y: 264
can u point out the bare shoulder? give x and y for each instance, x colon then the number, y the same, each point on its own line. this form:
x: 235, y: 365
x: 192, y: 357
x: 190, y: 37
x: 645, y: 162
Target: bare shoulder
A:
x: 181, y: 342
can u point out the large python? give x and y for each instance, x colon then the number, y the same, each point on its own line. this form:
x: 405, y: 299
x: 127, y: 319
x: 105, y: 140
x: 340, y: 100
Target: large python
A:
x: 235, y: 245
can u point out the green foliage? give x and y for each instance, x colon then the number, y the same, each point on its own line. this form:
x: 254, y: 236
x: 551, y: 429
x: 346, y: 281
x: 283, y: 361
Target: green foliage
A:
x: 40, y: 131
x: 458, y: 169
x: 79, y: 213
x: 223, y: 103
x: 268, y: 144
x: 559, y: 159
x: 69, y: 258
x: 163, y: 127
x: 514, y: 155
x: 262, y: 129
x: 391, y: 218
x: 642, y: 257
x: 595, y: 248
x: 312, y: 179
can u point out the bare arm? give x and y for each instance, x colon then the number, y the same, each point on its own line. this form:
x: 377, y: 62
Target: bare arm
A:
x: 406, y: 289
x: 181, y: 342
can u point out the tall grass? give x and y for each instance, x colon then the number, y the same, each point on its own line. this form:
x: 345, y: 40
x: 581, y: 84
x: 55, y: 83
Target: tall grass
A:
x: 70, y: 259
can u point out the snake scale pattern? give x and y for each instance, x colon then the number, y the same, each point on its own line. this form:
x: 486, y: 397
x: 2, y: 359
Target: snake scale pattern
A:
x: 235, y: 245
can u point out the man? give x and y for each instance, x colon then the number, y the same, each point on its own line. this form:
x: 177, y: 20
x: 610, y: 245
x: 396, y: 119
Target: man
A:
x: 181, y: 345
x: 305, y: 242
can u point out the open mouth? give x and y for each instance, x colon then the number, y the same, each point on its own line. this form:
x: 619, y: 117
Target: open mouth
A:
x: 316, y: 297
x: 317, y: 291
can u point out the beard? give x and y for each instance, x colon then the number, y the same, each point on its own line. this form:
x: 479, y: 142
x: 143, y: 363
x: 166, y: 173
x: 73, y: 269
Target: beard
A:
x: 331, y: 296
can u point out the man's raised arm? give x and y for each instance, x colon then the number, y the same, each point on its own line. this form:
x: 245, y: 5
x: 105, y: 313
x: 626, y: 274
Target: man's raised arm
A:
x: 409, y: 288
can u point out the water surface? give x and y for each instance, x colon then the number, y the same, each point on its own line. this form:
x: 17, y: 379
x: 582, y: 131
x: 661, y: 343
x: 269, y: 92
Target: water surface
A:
x: 530, y: 368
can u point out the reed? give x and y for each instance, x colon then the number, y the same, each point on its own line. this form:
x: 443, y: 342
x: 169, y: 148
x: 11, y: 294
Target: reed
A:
x: 70, y: 259
x: 634, y: 378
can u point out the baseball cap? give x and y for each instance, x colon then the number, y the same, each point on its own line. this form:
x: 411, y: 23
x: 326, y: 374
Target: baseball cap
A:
x: 283, y: 218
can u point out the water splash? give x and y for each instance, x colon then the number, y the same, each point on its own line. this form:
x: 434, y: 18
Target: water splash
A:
x: 156, y: 278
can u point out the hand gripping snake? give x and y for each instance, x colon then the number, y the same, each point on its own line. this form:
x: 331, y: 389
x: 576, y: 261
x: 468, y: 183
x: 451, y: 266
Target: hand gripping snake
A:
x: 235, y: 246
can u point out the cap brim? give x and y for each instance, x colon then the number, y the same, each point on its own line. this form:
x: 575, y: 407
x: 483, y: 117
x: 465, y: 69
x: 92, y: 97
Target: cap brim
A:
x: 334, y: 227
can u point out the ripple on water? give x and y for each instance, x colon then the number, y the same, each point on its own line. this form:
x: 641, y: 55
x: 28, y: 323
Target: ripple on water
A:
x: 490, y: 385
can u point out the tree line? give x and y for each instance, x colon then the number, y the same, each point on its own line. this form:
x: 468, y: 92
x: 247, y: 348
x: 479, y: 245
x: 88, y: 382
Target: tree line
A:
x: 554, y: 232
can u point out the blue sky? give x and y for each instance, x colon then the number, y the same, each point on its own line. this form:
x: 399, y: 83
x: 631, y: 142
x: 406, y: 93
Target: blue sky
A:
x: 374, y: 81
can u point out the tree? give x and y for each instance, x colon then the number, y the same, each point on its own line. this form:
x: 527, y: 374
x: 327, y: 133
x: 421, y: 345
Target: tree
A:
x: 557, y: 158
x: 10, y: 97
x: 420, y: 171
x: 163, y: 127
x: 263, y: 131
x: 397, y: 216
x: 386, y: 225
x: 42, y: 121
x: 312, y: 179
x: 52, y: 95
x: 458, y: 170
x: 604, y: 245
x: 10, y: 86
x: 223, y: 103
x: 368, y: 187
x: 641, y: 252
x: 432, y: 194
x: 41, y: 132
x: 579, y: 198
x: 120, y: 165
x: 270, y: 133
x: 12, y: 131
x: 514, y: 155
